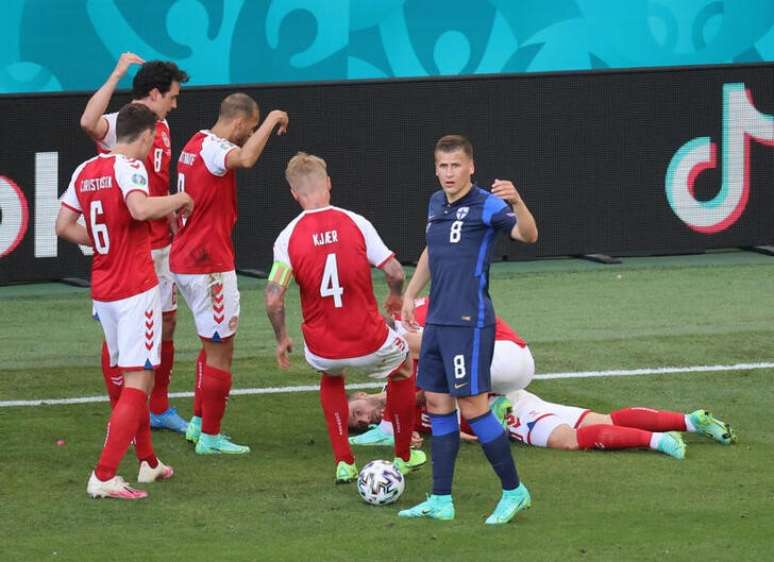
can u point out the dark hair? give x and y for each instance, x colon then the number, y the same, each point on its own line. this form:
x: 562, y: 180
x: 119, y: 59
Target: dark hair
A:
x: 132, y: 120
x: 156, y: 74
x: 450, y: 143
x: 237, y: 105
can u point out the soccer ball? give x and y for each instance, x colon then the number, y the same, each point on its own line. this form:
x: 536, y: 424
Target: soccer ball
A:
x: 380, y: 483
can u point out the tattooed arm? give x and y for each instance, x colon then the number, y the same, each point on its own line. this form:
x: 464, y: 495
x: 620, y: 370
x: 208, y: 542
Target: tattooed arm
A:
x: 274, y: 297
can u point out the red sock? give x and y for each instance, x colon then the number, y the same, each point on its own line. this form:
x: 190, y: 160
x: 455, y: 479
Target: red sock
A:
x: 124, y: 421
x: 602, y: 436
x: 201, y: 361
x: 143, y: 442
x: 114, y: 379
x: 159, y: 398
x: 216, y: 385
x: 333, y: 399
x: 401, y: 400
x: 647, y: 418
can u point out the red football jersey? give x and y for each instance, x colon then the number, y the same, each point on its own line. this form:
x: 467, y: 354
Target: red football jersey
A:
x: 502, y: 330
x: 203, y: 243
x: 122, y: 266
x: 330, y: 252
x: 157, y: 166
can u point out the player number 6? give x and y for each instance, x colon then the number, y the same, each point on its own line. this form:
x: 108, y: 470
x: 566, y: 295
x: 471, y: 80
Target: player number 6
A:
x: 99, y: 231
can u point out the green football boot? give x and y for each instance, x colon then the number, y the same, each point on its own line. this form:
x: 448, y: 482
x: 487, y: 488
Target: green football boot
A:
x: 346, y: 472
x: 219, y: 445
x: 415, y: 462
x: 500, y: 408
x: 706, y: 424
x: 194, y: 430
x: 435, y: 507
x: 375, y: 436
x: 511, y: 502
x: 672, y: 444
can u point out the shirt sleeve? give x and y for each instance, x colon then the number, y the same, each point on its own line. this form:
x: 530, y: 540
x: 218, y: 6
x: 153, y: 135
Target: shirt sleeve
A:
x: 498, y: 214
x: 131, y: 176
x: 214, y: 152
x: 281, y: 270
x: 70, y: 198
x: 109, y: 140
x: 376, y: 250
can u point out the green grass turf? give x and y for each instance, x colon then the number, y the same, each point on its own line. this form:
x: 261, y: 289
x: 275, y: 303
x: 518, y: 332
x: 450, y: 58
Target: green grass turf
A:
x: 279, y: 503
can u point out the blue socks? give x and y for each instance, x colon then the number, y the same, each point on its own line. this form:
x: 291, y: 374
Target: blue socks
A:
x: 445, y: 444
x: 496, y: 447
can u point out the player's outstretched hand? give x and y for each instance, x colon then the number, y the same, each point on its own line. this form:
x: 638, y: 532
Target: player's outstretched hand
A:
x: 505, y: 190
x: 393, y: 305
x: 416, y: 440
x: 284, y: 347
x: 407, y: 316
x: 126, y: 60
x: 281, y: 119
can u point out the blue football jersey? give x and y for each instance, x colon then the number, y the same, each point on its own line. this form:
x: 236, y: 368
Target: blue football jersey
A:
x: 460, y: 238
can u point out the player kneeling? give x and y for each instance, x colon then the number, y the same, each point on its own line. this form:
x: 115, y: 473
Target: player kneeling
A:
x: 329, y: 251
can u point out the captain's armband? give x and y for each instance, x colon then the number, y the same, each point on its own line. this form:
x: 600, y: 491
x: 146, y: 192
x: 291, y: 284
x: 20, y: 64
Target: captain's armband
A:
x: 281, y: 274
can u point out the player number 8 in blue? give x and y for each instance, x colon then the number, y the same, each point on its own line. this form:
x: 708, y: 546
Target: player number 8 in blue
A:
x: 459, y: 366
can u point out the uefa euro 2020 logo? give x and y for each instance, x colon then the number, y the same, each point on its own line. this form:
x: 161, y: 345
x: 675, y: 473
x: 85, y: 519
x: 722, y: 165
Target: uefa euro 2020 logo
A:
x: 741, y: 123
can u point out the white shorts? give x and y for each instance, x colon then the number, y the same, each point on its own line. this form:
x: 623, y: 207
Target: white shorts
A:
x: 512, y: 367
x: 378, y: 364
x: 534, y: 419
x: 132, y: 328
x: 214, y: 301
x: 167, y: 289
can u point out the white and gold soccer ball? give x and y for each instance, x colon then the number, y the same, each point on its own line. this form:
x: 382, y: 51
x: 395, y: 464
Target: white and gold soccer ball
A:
x: 380, y: 483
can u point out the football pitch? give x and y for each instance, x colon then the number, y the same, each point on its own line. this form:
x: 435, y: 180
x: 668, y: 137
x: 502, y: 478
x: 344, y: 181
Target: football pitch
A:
x: 280, y: 503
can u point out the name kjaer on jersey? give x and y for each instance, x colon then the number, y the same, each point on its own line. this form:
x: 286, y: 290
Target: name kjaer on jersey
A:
x: 323, y: 238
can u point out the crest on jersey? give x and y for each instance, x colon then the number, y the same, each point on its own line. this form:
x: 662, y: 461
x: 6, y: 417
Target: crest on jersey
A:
x: 165, y: 139
x: 462, y: 212
x: 139, y: 179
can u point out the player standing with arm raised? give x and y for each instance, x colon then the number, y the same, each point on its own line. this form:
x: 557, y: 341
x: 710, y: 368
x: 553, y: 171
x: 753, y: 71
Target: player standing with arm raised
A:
x: 458, y: 341
x: 111, y: 190
x: 202, y: 256
x: 329, y: 251
x: 156, y: 86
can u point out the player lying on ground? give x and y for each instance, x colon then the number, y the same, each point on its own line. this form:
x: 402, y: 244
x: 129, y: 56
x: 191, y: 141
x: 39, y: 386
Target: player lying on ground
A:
x: 156, y: 86
x: 533, y: 421
x: 329, y: 251
x: 111, y: 191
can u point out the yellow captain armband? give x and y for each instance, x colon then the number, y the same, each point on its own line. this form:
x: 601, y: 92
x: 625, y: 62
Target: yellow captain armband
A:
x: 280, y: 274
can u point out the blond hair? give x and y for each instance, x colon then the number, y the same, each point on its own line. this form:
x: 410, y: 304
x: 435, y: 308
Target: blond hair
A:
x: 303, y: 166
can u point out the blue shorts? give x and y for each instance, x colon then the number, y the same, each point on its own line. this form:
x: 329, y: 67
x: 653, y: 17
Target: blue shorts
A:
x: 455, y: 360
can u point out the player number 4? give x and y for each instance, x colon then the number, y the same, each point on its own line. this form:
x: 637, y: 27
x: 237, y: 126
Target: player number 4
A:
x: 329, y: 287
x: 99, y: 230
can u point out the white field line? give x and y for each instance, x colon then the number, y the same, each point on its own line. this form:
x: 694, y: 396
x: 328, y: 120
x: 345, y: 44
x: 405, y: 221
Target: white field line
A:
x: 314, y: 388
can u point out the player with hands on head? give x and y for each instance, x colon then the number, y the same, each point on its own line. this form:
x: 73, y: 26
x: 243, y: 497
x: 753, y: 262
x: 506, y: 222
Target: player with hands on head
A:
x: 458, y: 340
x: 202, y: 255
x: 111, y: 191
x: 329, y: 251
x: 156, y: 86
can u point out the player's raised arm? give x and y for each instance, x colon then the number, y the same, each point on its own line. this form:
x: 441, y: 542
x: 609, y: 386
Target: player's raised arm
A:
x: 91, y: 121
x: 248, y: 154
x: 526, y: 228
x: 418, y: 282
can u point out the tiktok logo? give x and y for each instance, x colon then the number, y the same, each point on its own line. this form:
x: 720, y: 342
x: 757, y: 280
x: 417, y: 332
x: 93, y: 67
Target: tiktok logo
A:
x: 741, y: 122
